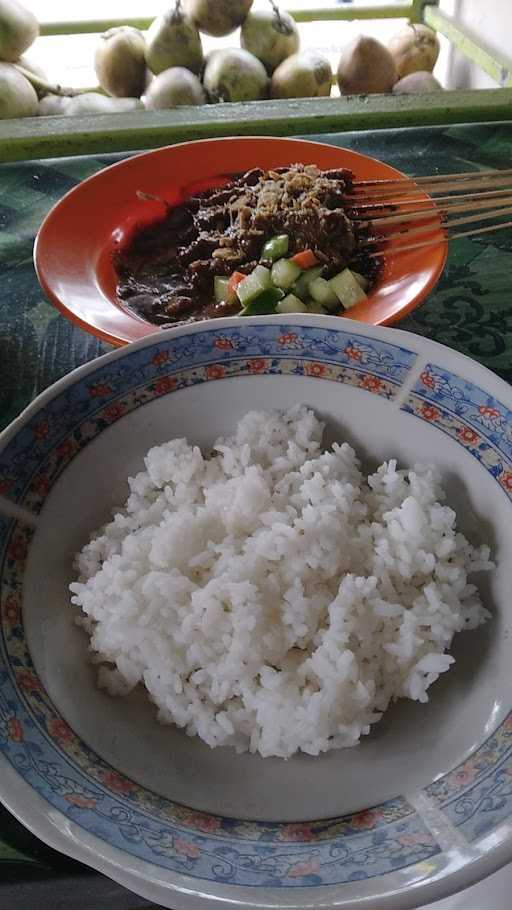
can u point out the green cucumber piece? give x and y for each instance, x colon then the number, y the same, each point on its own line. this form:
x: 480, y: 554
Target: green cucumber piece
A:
x: 347, y: 289
x: 314, y: 307
x: 220, y: 289
x: 275, y: 247
x: 252, y: 286
x: 264, y: 304
x: 361, y: 280
x: 291, y: 304
x: 284, y: 273
x: 301, y: 286
x: 323, y: 293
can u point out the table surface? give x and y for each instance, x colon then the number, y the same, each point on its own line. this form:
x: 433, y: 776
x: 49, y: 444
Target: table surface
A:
x: 470, y: 310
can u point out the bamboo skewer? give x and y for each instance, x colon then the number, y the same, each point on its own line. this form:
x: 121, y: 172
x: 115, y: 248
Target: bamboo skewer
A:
x: 436, y: 178
x: 428, y: 201
x: 437, y: 241
x: 407, y: 186
x: 378, y: 193
x: 434, y: 212
x: 427, y: 229
x: 473, y: 197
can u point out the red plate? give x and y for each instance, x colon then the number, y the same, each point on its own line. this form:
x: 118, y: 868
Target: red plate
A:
x: 74, y: 246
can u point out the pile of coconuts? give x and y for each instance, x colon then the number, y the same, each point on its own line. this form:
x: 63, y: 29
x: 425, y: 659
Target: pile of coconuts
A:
x: 166, y: 67
x: 403, y: 67
x: 24, y: 88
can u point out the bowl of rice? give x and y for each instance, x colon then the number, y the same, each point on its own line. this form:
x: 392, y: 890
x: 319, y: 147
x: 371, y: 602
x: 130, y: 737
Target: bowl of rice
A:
x: 254, y: 590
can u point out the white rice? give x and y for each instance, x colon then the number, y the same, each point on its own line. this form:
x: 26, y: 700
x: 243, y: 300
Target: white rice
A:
x: 271, y: 597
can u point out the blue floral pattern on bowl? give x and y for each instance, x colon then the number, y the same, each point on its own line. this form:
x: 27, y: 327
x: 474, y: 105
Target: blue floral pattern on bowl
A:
x: 63, y: 426
x: 477, y: 796
x: 469, y: 415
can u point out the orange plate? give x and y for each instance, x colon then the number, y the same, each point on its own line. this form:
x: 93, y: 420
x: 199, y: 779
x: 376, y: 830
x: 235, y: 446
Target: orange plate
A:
x: 74, y: 246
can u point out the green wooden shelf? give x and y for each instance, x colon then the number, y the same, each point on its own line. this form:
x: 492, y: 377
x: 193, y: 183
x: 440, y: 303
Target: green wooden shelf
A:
x: 48, y: 137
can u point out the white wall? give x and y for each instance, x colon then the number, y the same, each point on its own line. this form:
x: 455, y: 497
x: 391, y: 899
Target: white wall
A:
x: 490, y: 21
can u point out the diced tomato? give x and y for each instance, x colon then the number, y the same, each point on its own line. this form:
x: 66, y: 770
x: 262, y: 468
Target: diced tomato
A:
x: 305, y: 260
x: 234, y: 281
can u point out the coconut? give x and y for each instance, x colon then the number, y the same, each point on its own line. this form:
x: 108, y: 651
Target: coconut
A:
x: 19, y: 29
x: 17, y: 97
x: 52, y: 105
x: 173, y: 40
x: 120, y: 62
x: 95, y: 103
x: 86, y: 103
x: 414, y: 49
x: 35, y: 75
x: 233, y: 74
x: 366, y: 67
x: 307, y: 74
x: 218, y: 17
x: 417, y: 84
x: 32, y: 67
x: 271, y: 35
x: 173, y: 88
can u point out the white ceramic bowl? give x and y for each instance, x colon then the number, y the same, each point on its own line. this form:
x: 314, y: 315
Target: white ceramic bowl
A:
x: 424, y: 805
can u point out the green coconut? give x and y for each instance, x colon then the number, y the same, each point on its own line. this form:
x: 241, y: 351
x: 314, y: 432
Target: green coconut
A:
x: 52, y: 105
x: 414, y: 49
x: 120, y: 62
x: 218, y: 17
x: 366, y: 67
x: 17, y: 97
x: 19, y: 29
x: 173, y: 40
x: 96, y: 103
x: 307, y: 74
x: 174, y: 87
x: 271, y: 35
x: 32, y: 67
x: 417, y: 84
x: 34, y: 73
x: 233, y: 74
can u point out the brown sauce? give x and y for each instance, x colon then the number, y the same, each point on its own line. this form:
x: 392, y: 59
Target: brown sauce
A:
x: 166, y: 272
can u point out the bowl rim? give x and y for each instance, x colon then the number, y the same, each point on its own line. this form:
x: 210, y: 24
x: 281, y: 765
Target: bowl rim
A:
x: 402, y: 336
x: 57, y: 831
x: 185, y: 891
x: 130, y: 320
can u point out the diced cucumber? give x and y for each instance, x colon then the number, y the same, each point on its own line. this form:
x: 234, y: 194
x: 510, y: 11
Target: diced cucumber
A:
x: 361, y: 280
x: 264, y: 304
x: 301, y: 286
x: 311, y: 274
x: 314, y: 307
x: 220, y: 289
x: 291, y: 304
x: 254, y: 285
x: 322, y: 292
x: 347, y: 289
x: 263, y: 275
x: 276, y: 247
x: 284, y: 273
